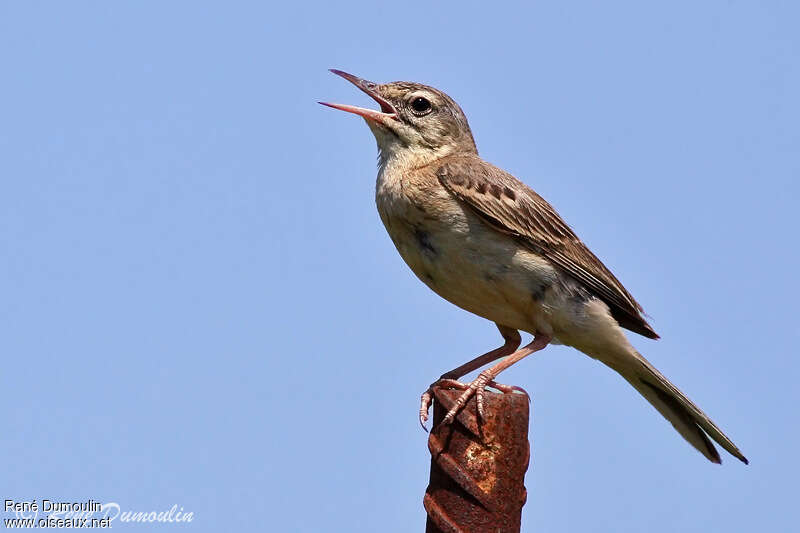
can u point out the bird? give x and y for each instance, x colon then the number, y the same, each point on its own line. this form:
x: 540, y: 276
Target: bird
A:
x: 486, y: 242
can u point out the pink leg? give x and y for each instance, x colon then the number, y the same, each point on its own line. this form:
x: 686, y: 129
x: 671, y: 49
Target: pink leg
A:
x: 448, y: 379
x: 513, y: 340
x: 487, y: 376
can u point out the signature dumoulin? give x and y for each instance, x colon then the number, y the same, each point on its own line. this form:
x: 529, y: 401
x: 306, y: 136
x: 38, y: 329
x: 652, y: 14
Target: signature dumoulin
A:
x: 46, y: 513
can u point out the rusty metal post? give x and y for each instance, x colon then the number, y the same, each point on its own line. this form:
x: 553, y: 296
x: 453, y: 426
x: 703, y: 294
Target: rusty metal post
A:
x: 478, y: 474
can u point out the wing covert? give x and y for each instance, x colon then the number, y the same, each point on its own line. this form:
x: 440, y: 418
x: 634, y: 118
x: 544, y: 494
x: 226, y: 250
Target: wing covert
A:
x: 510, y: 206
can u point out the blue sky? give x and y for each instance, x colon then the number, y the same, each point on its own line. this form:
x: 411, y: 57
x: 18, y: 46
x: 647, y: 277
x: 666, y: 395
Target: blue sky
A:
x: 200, y: 306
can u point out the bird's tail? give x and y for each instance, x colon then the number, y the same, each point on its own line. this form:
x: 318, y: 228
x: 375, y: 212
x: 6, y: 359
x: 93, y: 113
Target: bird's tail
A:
x: 688, y: 419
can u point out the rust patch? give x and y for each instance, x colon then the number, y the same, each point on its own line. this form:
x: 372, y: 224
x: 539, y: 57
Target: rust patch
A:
x: 477, y: 480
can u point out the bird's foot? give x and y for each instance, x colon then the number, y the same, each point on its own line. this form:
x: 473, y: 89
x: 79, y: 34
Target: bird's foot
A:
x: 476, y: 387
x: 427, y: 397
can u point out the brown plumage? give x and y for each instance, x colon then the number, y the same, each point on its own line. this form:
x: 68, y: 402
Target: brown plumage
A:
x: 512, y: 207
x: 486, y: 242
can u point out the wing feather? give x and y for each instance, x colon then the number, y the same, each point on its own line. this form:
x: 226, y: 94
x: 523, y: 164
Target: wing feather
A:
x: 512, y: 207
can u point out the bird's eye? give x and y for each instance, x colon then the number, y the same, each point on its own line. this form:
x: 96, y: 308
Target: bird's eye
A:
x: 420, y: 105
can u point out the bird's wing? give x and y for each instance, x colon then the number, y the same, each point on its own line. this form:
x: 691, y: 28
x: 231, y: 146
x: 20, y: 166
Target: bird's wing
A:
x: 510, y: 206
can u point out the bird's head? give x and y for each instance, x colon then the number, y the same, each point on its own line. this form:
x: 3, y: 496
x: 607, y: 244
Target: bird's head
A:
x: 415, y: 121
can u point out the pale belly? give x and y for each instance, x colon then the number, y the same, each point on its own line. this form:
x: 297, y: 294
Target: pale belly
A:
x: 478, y: 269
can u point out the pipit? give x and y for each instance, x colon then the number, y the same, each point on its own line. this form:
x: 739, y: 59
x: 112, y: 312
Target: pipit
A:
x: 483, y: 240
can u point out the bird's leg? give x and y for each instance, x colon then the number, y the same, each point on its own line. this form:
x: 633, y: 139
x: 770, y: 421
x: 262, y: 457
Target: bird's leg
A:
x: 487, y: 377
x: 449, y: 379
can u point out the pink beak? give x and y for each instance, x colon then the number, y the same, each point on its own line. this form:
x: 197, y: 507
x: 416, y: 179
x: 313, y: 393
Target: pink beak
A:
x: 387, y: 110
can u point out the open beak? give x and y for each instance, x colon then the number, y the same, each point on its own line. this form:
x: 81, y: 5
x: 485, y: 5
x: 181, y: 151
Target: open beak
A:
x: 387, y: 111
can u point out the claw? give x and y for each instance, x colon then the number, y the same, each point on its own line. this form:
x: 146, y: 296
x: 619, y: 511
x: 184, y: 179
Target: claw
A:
x: 450, y: 384
x: 508, y: 388
x: 476, y: 387
x: 427, y: 397
x: 425, y: 403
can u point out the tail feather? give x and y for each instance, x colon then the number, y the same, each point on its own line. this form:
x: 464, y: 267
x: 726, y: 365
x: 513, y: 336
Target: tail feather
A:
x: 691, y: 422
x: 680, y: 420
